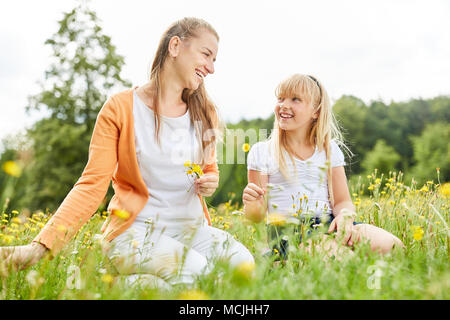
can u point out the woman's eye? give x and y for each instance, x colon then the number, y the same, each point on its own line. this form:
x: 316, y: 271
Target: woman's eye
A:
x: 206, y: 54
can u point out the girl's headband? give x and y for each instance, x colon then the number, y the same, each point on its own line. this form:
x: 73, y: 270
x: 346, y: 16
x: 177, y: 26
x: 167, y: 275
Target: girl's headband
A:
x: 317, y: 82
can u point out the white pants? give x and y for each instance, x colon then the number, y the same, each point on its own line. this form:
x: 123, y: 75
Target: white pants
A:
x: 174, y: 255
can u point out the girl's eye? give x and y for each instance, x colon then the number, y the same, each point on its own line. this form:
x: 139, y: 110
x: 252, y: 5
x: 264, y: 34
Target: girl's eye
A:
x: 280, y: 99
x: 297, y: 99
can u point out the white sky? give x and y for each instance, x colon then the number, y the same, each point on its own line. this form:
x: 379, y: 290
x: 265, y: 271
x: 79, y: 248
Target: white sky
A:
x: 389, y: 50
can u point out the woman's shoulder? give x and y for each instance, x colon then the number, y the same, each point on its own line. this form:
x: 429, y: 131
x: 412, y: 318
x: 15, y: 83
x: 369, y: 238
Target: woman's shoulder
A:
x: 119, y: 103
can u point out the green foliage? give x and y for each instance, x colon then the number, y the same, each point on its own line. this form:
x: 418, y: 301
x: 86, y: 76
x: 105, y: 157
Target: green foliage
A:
x: 382, y: 157
x: 431, y: 151
x: 84, y: 70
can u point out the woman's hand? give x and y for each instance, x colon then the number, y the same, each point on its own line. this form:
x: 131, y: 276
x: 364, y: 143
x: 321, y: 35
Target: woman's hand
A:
x: 343, y: 224
x: 254, y: 202
x: 21, y: 257
x: 207, y: 184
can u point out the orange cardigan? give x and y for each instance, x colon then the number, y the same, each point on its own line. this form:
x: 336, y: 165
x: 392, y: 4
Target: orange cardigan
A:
x: 112, y: 154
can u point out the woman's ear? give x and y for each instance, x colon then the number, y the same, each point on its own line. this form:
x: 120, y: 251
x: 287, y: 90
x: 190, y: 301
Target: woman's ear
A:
x: 174, y: 46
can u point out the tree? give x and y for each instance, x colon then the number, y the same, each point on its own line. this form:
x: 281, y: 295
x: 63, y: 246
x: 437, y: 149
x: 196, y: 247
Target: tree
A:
x: 382, y: 157
x: 84, y: 70
x: 431, y: 151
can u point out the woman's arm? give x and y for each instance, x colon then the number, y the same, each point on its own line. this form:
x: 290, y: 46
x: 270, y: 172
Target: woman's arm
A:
x: 90, y: 189
x: 253, y: 197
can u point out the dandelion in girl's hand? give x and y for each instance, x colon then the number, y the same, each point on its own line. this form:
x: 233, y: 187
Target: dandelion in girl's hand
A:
x: 12, y: 168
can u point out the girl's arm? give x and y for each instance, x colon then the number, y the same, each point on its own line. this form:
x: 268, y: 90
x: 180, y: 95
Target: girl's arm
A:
x: 343, y: 210
x: 255, y: 202
x: 342, y: 199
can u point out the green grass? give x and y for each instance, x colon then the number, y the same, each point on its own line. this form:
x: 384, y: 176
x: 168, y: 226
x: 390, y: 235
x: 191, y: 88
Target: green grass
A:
x: 420, y: 271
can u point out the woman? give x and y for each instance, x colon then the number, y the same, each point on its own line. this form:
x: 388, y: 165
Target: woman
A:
x: 159, y: 225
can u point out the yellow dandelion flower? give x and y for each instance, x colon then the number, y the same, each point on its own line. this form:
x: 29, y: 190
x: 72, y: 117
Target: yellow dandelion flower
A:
x: 197, y: 169
x: 193, y: 295
x: 276, y: 219
x: 189, y: 172
x: 40, y: 225
x: 245, y: 147
x: 16, y: 220
x: 424, y: 189
x: 378, y: 180
x: 369, y: 177
x: 107, y: 278
x: 122, y: 214
x: 417, y: 232
x: 445, y: 189
x: 244, y: 271
x: 12, y: 168
x: 371, y: 187
x: 187, y: 163
x: 15, y: 212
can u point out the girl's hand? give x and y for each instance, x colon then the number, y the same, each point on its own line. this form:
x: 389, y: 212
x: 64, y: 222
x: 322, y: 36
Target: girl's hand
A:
x: 343, y: 224
x: 254, y: 206
x: 252, y: 193
x: 21, y: 257
x: 206, y: 184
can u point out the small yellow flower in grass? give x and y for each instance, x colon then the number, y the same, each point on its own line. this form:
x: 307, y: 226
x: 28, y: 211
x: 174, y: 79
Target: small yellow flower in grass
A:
x: 244, y: 271
x: 12, y: 168
x: 245, y: 147
x: 424, y: 189
x: 16, y: 220
x: 122, y: 214
x: 445, y: 189
x: 369, y: 177
x: 417, y: 232
x: 371, y: 187
x: 193, y: 295
x: 15, y: 212
x: 40, y: 225
x: 276, y: 219
x: 7, y: 238
x: 107, y: 278
x: 378, y: 180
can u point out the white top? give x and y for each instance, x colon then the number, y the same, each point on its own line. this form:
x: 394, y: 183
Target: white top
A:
x: 172, y: 200
x: 311, y: 180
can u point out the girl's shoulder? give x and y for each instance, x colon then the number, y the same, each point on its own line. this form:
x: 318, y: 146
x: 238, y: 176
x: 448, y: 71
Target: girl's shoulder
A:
x: 260, y: 157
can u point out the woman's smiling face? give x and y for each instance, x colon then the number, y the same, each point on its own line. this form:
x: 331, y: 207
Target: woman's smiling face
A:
x: 195, y: 58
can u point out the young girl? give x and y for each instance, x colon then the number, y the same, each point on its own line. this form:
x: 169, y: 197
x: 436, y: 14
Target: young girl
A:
x: 143, y: 136
x: 299, y: 172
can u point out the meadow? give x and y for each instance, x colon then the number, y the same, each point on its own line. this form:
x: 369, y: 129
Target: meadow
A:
x: 417, y: 214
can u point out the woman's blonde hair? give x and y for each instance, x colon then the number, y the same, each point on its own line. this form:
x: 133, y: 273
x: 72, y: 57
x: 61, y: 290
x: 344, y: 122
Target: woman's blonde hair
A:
x: 323, y: 129
x: 203, y: 112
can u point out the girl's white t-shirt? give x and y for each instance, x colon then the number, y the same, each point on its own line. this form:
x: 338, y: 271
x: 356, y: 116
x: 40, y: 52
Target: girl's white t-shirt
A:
x: 172, y: 198
x: 304, y: 193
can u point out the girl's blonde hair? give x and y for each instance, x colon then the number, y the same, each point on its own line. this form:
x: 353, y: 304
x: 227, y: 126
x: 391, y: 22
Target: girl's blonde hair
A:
x: 203, y: 112
x: 323, y: 129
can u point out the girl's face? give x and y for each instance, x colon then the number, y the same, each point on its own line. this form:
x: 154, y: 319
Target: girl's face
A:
x: 195, y: 58
x: 294, y: 113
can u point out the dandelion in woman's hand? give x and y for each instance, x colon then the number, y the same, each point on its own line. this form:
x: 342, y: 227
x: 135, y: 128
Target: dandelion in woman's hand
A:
x: 193, y: 170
